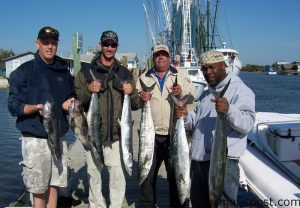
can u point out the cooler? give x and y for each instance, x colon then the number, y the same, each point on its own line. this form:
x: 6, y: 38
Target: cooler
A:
x: 284, y: 140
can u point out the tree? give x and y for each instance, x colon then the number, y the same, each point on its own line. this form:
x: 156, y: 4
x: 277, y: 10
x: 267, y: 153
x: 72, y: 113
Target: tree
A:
x: 253, y: 68
x: 3, y: 55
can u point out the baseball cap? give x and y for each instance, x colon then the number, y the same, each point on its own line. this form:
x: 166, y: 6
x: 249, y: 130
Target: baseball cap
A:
x: 109, y: 35
x: 48, y: 32
x: 160, y: 47
x: 211, y: 57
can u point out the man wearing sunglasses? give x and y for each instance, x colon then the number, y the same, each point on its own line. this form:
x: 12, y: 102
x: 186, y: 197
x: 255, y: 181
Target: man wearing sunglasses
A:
x: 45, y: 78
x: 112, y: 81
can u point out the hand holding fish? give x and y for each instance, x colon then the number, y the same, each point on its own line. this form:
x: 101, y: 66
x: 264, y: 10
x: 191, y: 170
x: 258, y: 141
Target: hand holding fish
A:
x: 94, y: 86
x: 68, y: 103
x: 181, y: 111
x: 30, y: 109
x: 145, y: 96
x: 128, y: 88
x: 176, y: 89
x: 222, y: 105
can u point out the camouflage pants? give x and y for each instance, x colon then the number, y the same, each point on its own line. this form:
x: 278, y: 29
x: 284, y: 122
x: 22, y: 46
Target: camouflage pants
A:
x: 40, y: 169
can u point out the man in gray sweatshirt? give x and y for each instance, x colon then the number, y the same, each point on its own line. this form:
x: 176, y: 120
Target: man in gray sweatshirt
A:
x: 238, y: 106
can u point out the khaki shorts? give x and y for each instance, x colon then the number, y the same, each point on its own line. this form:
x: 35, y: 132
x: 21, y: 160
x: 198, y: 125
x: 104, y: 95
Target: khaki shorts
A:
x: 40, y: 168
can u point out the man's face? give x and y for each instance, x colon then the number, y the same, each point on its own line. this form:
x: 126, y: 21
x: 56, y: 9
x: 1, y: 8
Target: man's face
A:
x: 161, y: 61
x: 109, y: 49
x: 47, y: 48
x: 214, y: 73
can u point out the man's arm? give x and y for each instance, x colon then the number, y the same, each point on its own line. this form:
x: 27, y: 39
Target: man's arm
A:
x: 241, y: 114
x: 17, y: 93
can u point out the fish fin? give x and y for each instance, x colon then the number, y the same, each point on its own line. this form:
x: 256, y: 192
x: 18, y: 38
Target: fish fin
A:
x: 93, y: 75
x: 145, y: 88
x: 182, y: 101
x: 175, y: 99
x: 176, y: 82
x: 222, y: 92
x: 185, y: 99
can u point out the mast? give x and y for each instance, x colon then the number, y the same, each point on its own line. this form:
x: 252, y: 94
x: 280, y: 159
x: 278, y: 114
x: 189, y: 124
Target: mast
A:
x: 187, y: 51
x: 167, y: 15
x: 213, y: 33
x: 150, y: 33
x: 207, y: 25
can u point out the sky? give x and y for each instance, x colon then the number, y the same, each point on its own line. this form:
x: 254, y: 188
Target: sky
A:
x: 262, y: 31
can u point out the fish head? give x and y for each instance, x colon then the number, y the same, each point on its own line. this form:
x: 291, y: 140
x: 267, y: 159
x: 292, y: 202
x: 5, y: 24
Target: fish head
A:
x: 75, y: 109
x: 48, y: 109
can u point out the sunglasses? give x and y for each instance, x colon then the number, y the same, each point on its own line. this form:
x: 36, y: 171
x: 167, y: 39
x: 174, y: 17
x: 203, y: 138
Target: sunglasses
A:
x: 107, y: 44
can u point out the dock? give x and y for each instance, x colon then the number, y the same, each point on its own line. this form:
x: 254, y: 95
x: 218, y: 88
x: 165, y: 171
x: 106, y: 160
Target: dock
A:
x: 78, y: 187
x: 78, y: 182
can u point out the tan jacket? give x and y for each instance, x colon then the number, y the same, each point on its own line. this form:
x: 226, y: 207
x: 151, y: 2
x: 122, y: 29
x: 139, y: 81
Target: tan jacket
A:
x: 162, y: 105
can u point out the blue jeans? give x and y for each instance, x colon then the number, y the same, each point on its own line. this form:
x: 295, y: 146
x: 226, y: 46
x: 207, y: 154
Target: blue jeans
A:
x: 199, y: 184
x: 148, y: 188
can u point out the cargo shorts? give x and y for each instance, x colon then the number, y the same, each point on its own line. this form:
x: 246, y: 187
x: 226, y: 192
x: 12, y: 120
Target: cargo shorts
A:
x: 40, y: 168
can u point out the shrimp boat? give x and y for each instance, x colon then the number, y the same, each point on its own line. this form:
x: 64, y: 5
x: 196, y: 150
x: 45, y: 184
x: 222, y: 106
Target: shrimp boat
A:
x: 189, y: 29
x: 271, y: 164
x: 233, y: 61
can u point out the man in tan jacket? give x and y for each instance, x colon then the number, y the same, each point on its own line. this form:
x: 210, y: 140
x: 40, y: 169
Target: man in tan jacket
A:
x: 168, y: 80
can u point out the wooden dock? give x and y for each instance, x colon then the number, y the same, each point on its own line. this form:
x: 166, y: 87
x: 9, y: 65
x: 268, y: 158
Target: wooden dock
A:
x: 79, y: 186
x: 79, y: 182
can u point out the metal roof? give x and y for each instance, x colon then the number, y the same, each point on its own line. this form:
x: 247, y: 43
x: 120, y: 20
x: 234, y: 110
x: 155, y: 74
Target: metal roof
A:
x: 19, y: 55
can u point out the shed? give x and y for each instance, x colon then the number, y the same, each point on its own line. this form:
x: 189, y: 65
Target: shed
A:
x: 132, y: 59
x: 14, y: 62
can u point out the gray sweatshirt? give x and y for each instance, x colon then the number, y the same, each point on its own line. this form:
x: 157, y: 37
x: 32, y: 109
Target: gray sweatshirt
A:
x: 240, y: 118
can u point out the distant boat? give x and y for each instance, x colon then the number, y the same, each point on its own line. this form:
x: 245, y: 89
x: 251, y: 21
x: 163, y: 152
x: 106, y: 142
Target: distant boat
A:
x: 272, y: 160
x: 270, y: 70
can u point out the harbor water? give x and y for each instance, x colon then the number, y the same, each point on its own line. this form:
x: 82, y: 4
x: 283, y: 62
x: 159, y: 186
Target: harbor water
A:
x: 273, y: 94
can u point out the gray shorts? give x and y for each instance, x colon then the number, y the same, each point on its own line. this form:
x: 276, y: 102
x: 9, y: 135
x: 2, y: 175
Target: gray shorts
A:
x: 40, y: 168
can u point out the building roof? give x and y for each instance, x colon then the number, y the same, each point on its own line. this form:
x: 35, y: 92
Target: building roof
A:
x: 19, y: 55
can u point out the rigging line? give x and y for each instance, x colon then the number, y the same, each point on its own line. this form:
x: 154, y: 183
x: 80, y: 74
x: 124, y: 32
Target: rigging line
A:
x: 152, y: 17
x: 157, y: 16
x: 227, y: 26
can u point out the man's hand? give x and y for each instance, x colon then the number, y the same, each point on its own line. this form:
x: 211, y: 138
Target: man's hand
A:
x: 94, y: 86
x: 222, y: 105
x: 145, y: 96
x: 181, y: 111
x: 128, y: 88
x: 68, y: 103
x: 176, y: 90
x: 30, y: 109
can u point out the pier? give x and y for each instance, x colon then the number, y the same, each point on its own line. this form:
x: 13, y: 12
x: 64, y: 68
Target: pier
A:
x: 78, y: 182
x: 79, y: 186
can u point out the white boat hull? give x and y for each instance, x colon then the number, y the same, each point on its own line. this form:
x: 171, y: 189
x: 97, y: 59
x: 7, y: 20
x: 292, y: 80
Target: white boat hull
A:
x: 274, y: 177
x: 272, y: 73
x: 271, y: 184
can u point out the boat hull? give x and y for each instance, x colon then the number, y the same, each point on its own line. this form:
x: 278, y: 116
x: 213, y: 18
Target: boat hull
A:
x: 268, y: 181
x: 270, y: 175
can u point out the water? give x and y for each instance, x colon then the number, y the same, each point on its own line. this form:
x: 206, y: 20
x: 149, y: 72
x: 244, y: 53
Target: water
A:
x: 11, y: 181
x: 273, y: 94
